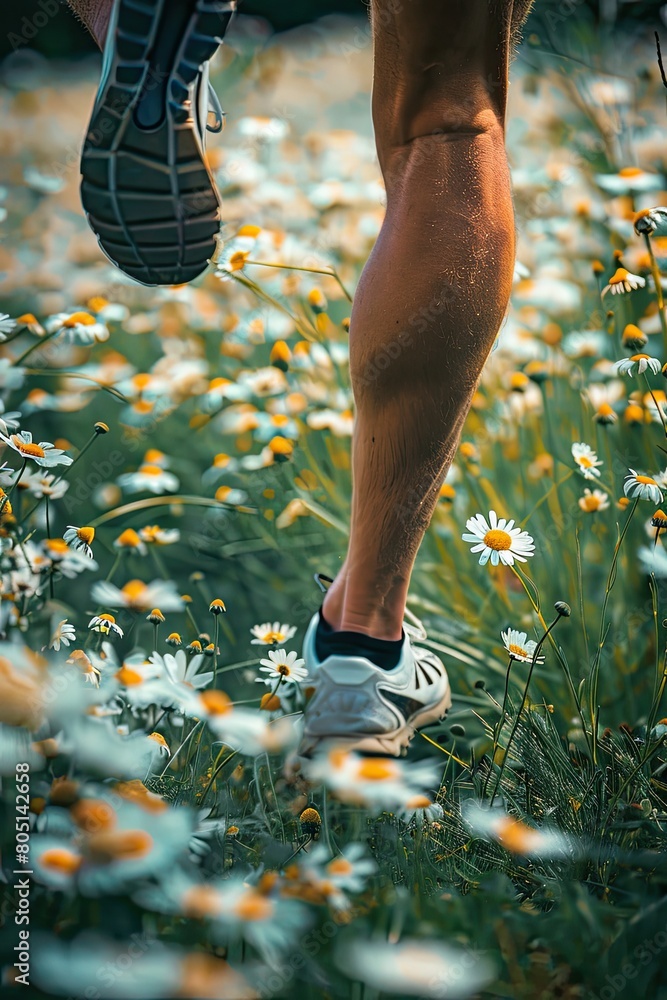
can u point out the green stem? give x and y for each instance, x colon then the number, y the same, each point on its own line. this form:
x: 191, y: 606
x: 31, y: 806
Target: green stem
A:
x: 330, y: 272
x: 595, y: 671
x: 657, y: 405
x: 33, y: 347
x: 515, y: 726
x: 655, y: 271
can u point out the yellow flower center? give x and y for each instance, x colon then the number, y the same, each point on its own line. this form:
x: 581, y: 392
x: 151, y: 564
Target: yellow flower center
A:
x: 517, y: 650
x: 134, y: 589
x: 590, y: 503
x: 151, y: 470
x: 516, y: 836
x: 375, y: 769
x: 79, y: 319
x: 584, y: 461
x: 122, y: 844
x: 619, y: 276
x: 28, y: 447
x: 86, y: 535
x: 646, y: 480
x: 201, y: 901
x: 418, y: 802
x: 62, y: 860
x: 216, y: 702
x: 252, y: 906
x: 237, y: 260
x: 273, y: 637
x: 340, y: 866
x: 159, y: 739
x: 129, y: 539
x: 283, y: 668
x: 129, y: 677
x: 640, y: 357
x: 630, y: 172
x: 498, y: 540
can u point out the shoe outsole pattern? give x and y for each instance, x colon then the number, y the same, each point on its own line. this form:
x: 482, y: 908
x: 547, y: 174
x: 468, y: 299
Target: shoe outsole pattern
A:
x: 146, y: 188
x: 391, y: 744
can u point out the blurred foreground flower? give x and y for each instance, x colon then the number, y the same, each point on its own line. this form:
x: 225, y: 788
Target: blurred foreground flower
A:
x: 586, y: 460
x: 415, y: 968
x: 513, y: 834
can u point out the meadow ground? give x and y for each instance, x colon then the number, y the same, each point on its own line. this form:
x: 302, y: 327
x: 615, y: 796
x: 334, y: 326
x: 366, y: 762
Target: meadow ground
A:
x: 177, y: 469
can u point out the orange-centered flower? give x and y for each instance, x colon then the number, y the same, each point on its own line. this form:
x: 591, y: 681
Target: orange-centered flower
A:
x: 498, y: 539
x: 27, y: 447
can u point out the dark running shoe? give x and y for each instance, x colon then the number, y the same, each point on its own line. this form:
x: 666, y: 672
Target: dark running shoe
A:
x: 146, y: 188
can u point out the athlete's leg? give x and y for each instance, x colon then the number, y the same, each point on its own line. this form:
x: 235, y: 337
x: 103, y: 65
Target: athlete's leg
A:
x: 95, y: 16
x: 435, y: 289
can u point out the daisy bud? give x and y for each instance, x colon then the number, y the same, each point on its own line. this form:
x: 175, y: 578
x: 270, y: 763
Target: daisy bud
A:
x: 623, y: 502
x: 186, y: 598
x: 196, y: 577
x: 518, y: 382
x: 563, y: 609
x: 101, y: 428
x: 317, y: 300
x: 633, y: 338
x: 209, y: 650
x: 161, y: 742
x: 217, y: 607
x: 155, y: 617
x: 605, y: 414
x: 346, y: 323
x: 311, y: 822
x: 232, y: 831
x: 270, y: 702
x: 659, y: 519
x: 552, y: 334
x: 63, y: 792
x: 281, y: 448
x: 194, y: 647
x: 174, y: 639
x: 598, y: 267
x: 281, y: 355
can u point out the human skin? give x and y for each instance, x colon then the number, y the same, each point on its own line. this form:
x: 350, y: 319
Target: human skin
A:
x: 436, y: 287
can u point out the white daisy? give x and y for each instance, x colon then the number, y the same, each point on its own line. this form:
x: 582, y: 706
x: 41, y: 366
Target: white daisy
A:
x: 77, y: 328
x: 642, y: 488
x: 637, y: 364
x: 282, y: 665
x: 9, y: 419
x: 45, y: 484
x: 80, y: 539
x: 498, y: 540
x: 7, y: 324
x: 420, y: 807
x: 269, y: 634
x: 593, y: 501
x: 44, y: 453
x: 106, y: 624
x: 519, y: 646
x: 63, y: 634
x: 587, y: 460
x: 623, y: 281
x: 138, y: 596
x: 150, y: 478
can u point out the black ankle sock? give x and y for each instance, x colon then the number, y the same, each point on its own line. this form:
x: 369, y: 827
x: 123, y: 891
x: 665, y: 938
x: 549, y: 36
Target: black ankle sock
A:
x: 383, y: 653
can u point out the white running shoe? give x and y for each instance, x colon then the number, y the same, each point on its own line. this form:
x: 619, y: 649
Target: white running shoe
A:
x: 360, y: 706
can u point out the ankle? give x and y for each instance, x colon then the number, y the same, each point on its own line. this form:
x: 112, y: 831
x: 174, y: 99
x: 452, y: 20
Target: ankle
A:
x: 377, y: 624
